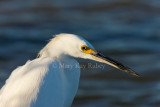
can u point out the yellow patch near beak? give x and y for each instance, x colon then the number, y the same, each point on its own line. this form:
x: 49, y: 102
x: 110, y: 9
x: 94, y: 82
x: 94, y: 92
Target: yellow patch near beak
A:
x: 88, y: 50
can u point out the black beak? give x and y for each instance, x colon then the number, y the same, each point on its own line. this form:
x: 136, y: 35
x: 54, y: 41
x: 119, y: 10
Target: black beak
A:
x: 101, y: 58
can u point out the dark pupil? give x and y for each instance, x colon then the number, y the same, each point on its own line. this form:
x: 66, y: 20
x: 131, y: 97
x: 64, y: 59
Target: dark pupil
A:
x: 83, y: 47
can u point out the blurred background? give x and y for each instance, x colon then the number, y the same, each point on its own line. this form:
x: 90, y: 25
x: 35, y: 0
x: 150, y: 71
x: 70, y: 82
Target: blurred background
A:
x: 126, y: 30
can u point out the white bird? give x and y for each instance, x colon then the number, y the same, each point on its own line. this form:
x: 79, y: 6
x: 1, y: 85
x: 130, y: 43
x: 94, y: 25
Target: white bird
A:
x: 46, y: 81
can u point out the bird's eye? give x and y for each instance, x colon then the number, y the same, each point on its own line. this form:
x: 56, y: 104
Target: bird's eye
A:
x: 84, y: 47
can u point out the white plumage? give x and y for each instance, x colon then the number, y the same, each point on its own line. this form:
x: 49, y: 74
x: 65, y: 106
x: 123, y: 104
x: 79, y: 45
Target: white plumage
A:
x: 52, y: 79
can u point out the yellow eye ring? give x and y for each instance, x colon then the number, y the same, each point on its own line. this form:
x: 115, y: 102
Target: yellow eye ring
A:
x: 83, y: 47
x: 87, y: 50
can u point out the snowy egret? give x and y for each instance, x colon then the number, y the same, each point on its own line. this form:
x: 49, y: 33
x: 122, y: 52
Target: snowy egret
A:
x: 44, y: 82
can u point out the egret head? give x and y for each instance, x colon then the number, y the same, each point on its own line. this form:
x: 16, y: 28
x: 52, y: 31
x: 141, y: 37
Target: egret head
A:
x: 77, y: 46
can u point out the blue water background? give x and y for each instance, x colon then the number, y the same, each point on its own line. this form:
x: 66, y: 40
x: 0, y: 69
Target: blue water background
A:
x: 126, y: 30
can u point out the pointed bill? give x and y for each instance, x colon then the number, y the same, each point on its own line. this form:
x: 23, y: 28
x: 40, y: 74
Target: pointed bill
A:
x: 99, y: 57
